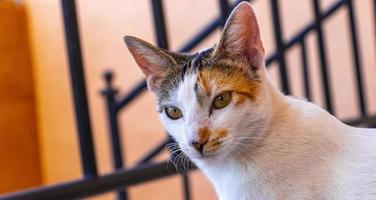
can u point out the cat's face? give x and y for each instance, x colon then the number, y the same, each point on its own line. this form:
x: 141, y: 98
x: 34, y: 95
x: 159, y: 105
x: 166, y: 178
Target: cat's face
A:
x: 213, y: 109
x: 211, y: 102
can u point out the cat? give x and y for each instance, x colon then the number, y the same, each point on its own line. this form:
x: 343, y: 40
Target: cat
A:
x: 249, y: 139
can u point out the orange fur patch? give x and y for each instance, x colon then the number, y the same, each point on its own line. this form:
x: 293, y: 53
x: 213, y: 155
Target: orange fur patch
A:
x: 213, y: 143
x: 235, y: 81
x: 203, y: 80
x: 221, y: 133
x: 204, y: 134
x: 239, y: 99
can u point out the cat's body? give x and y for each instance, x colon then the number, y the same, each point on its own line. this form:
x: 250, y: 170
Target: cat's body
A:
x: 250, y: 140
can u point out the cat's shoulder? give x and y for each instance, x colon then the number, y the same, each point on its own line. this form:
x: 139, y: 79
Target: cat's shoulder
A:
x: 301, y: 109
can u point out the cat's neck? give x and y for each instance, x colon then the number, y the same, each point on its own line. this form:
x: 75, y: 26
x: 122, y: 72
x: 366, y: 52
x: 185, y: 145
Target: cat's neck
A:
x: 234, y: 179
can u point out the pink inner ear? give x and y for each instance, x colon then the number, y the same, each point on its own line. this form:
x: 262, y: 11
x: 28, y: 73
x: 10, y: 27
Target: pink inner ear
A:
x: 143, y: 61
x: 242, y: 35
x: 152, y: 69
x: 152, y: 61
x: 248, y: 32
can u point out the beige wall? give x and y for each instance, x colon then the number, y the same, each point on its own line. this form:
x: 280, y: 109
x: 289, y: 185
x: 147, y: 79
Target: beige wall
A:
x: 103, y: 23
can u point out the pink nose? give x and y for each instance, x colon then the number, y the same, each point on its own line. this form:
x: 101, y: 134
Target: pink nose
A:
x: 199, y: 145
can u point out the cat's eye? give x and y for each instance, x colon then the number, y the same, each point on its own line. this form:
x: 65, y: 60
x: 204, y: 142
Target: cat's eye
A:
x: 173, y: 112
x: 222, y: 100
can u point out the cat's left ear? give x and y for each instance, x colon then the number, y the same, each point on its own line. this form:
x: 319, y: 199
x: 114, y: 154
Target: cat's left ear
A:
x: 241, y: 40
x: 153, y: 61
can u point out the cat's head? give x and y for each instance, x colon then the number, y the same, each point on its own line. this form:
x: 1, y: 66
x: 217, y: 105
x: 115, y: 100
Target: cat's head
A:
x: 212, y: 102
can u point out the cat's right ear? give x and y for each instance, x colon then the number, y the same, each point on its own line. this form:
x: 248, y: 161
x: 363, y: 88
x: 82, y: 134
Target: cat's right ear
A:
x: 153, y: 61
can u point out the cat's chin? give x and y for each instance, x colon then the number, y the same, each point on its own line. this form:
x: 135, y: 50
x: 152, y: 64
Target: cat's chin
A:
x: 211, y: 156
x: 199, y: 156
x: 206, y: 158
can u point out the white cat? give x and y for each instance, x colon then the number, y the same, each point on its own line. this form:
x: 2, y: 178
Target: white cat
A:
x: 249, y: 139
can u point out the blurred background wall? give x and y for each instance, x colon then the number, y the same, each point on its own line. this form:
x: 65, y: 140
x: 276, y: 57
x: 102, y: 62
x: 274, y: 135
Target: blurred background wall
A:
x: 102, y: 26
x: 19, y: 155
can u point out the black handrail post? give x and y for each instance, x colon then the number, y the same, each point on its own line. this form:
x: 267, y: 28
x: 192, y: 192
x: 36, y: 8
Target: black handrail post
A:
x: 186, y: 185
x: 159, y: 24
x: 79, y: 88
x: 109, y: 92
x: 225, y: 11
x: 323, y: 60
x: 280, y: 46
x: 305, y: 71
x: 356, y: 58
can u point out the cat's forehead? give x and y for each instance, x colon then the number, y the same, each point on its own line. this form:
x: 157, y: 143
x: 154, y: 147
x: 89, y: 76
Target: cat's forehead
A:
x: 187, y: 68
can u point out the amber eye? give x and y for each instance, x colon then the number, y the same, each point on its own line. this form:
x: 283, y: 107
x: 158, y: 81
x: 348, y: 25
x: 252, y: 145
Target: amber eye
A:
x: 222, y: 100
x: 173, y: 112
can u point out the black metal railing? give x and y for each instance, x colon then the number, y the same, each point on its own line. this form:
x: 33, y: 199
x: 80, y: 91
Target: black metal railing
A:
x: 79, y: 89
x: 147, y: 170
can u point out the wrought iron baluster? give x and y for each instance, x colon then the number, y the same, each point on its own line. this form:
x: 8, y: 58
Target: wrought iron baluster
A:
x: 79, y: 88
x: 305, y: 69
x: 159, y: 24
x: 225, y: 11
x: 356, y: 58
x: 280, y: 46
x: 323, y: 60
x: 109, y: 92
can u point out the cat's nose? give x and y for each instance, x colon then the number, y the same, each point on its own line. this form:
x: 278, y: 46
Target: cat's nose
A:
x: 199, y: 145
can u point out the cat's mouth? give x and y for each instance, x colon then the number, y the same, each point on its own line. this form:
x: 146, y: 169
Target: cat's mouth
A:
x: 209, y: 150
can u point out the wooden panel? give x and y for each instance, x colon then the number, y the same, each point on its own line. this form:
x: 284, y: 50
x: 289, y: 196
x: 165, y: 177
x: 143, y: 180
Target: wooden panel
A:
x: 19, y: 162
